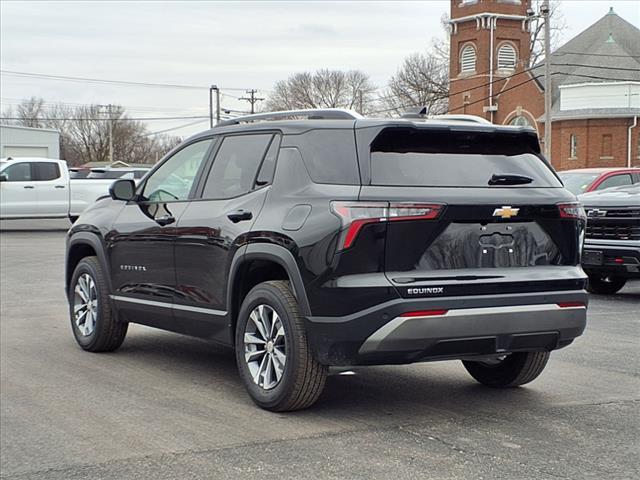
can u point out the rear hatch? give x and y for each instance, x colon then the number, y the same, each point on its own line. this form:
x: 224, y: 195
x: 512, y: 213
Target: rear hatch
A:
x: 500, y: 219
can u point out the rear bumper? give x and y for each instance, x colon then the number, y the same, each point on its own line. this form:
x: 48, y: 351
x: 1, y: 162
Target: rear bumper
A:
x: 479, y: 326
x: 602, y: 258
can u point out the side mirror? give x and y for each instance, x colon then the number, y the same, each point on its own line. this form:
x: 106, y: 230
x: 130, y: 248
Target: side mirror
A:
x: 123, y: 189
x: 3, y: 178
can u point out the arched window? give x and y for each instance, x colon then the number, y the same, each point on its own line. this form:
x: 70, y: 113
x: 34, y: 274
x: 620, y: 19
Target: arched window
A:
x: 507, y: 57
x: 468, y: 59
x: 520, y: 121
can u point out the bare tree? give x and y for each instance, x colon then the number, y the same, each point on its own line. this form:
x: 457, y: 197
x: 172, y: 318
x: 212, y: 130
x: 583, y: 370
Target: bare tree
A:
x: 421, y: 81
x: 84, y: 132
x: 323, y: 89
x: 558, y: 24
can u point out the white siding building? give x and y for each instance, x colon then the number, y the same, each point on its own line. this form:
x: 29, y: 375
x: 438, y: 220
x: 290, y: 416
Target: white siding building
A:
x: 18, y: 141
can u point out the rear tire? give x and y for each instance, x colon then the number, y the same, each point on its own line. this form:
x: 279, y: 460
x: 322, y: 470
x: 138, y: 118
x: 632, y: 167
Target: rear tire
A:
x: 605, y: 285
x: 93, y: 322
x: 516, y: 369
x: 273, y: 356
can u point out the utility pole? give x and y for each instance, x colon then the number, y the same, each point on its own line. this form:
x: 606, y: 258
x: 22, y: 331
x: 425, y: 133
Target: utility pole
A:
x: 253, y: 99
x: 213, y: 88
x: 107, y: 110
x: 546, y: 14
x: 110, y: 134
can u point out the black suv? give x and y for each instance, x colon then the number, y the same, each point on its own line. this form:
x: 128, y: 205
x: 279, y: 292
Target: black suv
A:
x: 612, y: 244
x: 321, y: 238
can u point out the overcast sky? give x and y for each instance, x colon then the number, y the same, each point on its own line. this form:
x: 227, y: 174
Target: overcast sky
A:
x: 236, y: 45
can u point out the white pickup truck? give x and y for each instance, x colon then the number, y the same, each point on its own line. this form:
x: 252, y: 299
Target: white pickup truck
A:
x: 41, y: 188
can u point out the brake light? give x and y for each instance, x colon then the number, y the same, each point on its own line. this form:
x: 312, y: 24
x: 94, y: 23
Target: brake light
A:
x: 424, y: 313
x: 355, y: 215
x: 573, y: 210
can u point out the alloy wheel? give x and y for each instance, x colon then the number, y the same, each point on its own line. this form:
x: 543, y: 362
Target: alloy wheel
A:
x: 85, y: 304
x: 265, y: 349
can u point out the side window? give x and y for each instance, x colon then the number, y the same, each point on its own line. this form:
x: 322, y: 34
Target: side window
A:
x: 330, y: 156
x: 45, y: 171
x: 268, y: 167
x: 175, y: 177
x: 18, y: 172
x: 236, y: 164
x: 615, y: 181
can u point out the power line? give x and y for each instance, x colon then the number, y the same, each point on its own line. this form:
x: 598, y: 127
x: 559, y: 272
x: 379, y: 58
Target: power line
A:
x: 111, y: 82
x: 176, y: 128
x: 595, y: 66
x: 102, y: 119
x: 560, y: 54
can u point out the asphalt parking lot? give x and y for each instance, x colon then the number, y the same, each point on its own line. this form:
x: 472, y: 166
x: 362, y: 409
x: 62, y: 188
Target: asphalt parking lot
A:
x: 166, y: 406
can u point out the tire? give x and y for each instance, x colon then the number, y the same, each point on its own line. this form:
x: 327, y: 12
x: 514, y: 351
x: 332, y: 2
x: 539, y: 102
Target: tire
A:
x: 514, y: 370
x: 605, y: 285
x: 107, y: 333
x: 302, y: 378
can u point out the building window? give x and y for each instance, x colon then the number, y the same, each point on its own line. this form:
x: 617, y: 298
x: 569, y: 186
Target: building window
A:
x: 573, y: 146
x: 468, y: 59
x: 520, y: 121
x: 606, y: 146
x: 507, y: 57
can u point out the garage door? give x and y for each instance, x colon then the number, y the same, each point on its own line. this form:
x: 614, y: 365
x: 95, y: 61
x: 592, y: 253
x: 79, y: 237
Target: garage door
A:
x: 25, y: 151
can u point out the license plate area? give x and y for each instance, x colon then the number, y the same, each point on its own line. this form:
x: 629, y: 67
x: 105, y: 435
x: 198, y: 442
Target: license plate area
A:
x: 592, y: 257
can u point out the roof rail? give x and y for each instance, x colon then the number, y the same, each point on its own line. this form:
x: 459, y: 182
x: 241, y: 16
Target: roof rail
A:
x: 311, y: 114
x: 455, y: 117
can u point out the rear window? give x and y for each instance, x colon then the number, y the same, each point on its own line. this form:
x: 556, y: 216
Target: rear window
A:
x: 444, y: 158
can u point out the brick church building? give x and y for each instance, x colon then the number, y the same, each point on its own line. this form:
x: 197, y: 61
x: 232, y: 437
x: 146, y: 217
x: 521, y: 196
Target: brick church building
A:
x: 595, y: 80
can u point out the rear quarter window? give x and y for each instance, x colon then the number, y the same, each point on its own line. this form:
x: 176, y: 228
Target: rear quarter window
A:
x: 444, y: 158
x: 329, y: 155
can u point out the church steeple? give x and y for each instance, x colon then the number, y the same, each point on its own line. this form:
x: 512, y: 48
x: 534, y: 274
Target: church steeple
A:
x: 490, y: 40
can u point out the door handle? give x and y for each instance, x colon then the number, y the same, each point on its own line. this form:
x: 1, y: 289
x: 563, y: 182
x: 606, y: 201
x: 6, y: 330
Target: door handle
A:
x: 60, y: 186
x: 165, y: 220
x: 29, y: 186
x: 239, y: 216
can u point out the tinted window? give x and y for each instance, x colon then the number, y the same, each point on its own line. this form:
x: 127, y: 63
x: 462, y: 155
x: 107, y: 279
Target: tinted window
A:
x: 615, y: 181
x: 174, y: 178
x: 47, y: 171
x: 330, y: 156
x: 269, y: 163
x: 18, y: 172
x: 577, y: 183
x: 236, y: 164
x: 412, y: 157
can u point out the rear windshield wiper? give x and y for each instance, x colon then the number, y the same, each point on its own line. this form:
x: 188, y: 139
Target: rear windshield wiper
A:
x: 509, y: 179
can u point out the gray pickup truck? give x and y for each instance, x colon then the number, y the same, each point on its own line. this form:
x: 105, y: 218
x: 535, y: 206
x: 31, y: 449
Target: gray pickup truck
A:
x: 611, y: 254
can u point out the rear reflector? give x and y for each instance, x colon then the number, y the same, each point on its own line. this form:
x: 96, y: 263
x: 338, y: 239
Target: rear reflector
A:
x: 571, y: 304
x: 424, y: 313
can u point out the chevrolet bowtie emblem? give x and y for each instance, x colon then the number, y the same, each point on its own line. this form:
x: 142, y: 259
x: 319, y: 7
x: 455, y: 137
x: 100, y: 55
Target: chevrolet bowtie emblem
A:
x: 505, y: 212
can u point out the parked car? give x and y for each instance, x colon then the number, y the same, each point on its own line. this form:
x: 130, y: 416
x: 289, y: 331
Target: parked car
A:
x: 586, y: 180
x: 335, y: 240
x: 611, y: 253
x: 41, y: 188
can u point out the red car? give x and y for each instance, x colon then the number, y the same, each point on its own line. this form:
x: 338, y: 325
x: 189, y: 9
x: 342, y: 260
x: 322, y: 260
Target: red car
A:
x: 585, y: 180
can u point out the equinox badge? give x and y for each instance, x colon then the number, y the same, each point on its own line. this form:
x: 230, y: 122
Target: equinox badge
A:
x: 506, y: 212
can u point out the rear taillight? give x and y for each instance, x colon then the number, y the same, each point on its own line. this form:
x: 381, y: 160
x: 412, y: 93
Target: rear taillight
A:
x: 355, y: 215
x: 572, y: 210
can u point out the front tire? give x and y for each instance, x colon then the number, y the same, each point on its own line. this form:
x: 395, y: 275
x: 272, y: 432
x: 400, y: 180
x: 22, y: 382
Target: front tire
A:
x: 605, y: 285
x: 514, y: 370
x: 93, y: 322
x: 272, y: 353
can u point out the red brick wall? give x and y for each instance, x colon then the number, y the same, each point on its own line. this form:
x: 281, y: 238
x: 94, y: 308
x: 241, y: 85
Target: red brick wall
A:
x: 469, y: 93
x: 589, y: 135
